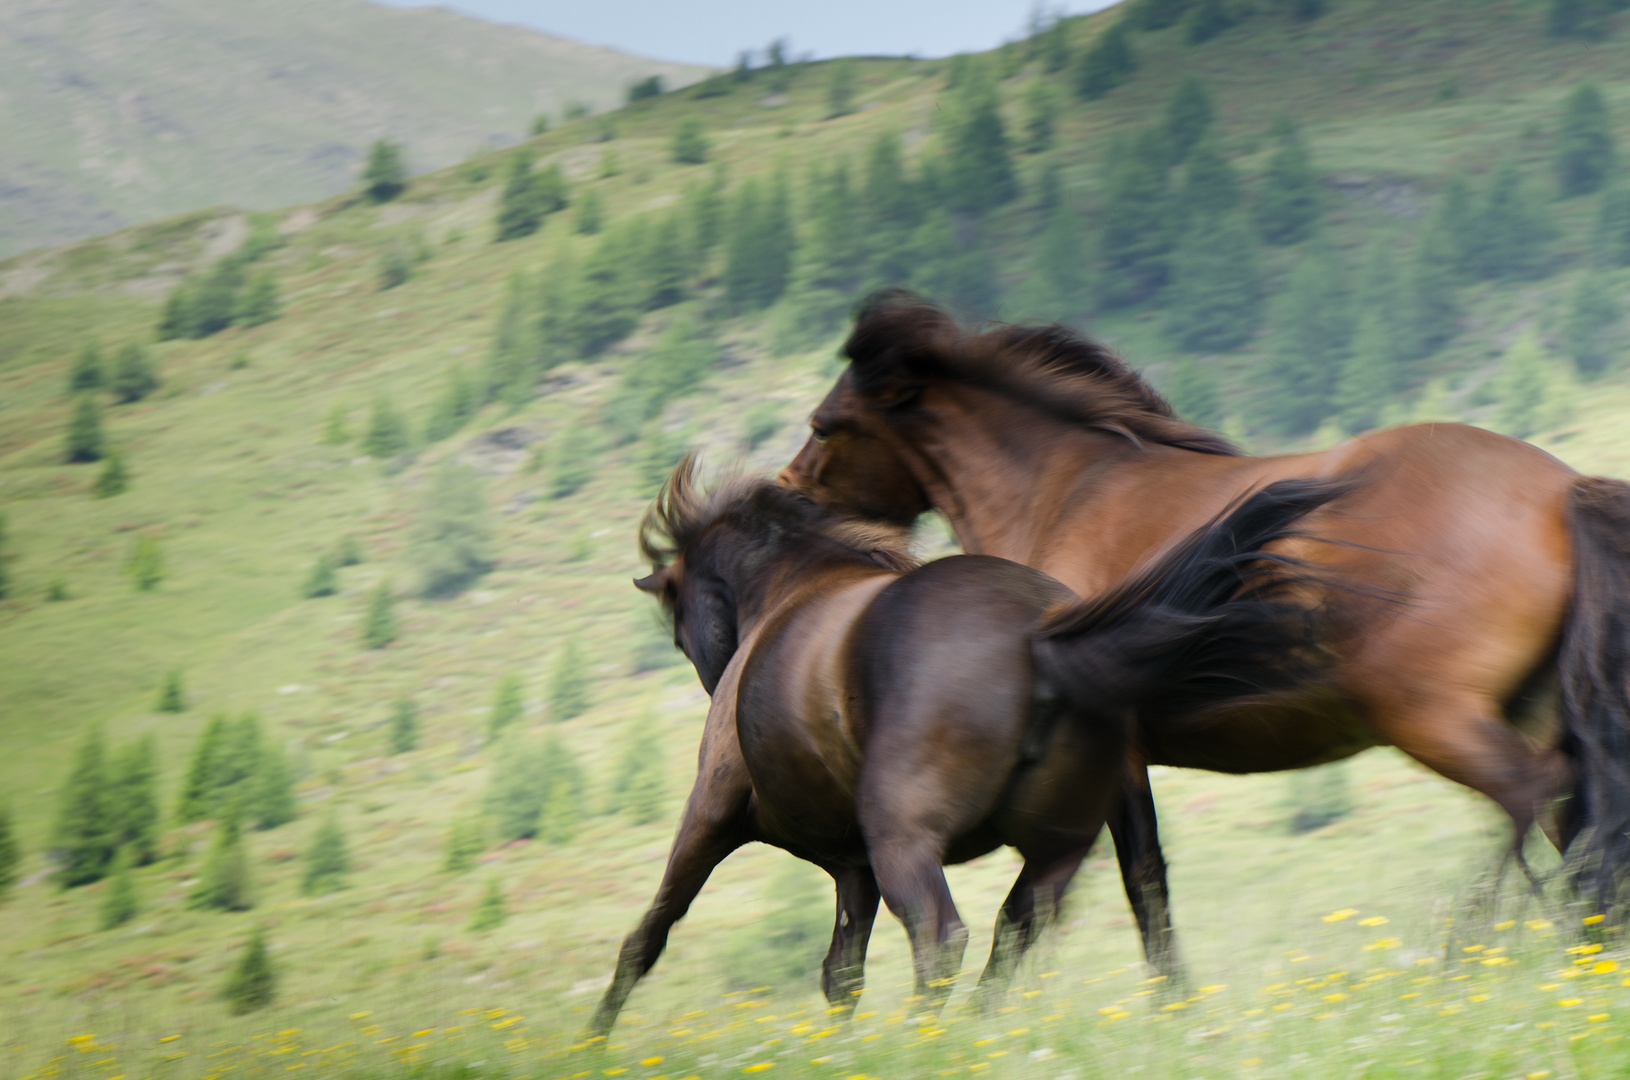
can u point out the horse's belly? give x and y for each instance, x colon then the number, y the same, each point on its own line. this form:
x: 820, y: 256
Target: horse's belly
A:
x: 1264, y: 737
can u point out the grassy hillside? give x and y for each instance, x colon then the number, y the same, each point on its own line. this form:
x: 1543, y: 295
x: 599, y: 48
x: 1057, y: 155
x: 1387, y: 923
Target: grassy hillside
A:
x: 1368, y: 947
x: 120, y: 114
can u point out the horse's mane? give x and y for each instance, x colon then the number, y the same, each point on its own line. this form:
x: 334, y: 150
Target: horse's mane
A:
x: 899, y: 335
x: 682, y: 512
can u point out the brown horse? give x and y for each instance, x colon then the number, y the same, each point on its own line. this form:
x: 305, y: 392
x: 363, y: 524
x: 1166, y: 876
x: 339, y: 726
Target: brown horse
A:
x: 881, y: 720
x: 1486, y: 636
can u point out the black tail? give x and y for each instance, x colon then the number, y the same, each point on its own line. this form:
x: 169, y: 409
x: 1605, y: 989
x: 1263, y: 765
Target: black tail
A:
x: 1593, y: 669
x: 1213, y: 620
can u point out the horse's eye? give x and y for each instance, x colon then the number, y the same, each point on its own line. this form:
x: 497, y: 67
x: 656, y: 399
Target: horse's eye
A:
x: 820, y: 434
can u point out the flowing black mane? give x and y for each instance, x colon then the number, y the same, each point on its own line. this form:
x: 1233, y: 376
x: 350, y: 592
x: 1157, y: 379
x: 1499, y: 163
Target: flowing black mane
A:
x: 682, y: 512
x: 900, y: 336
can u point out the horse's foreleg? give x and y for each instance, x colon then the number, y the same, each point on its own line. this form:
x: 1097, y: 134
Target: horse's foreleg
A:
x: 1136, y: 832
x: 844, y: 972
x: 1033, y: 903
x: 913, y: 885
x: 715, y: 824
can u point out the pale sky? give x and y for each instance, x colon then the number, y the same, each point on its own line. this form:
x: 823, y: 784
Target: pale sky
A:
x: 715, y: 31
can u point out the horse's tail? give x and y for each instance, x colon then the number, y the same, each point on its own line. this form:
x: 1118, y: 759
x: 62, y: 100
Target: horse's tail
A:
x: 1593, y: 669
x: 1216, y: 619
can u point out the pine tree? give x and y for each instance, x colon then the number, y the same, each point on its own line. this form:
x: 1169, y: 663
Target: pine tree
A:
x: 224, y: 883
x: 86, y: 374
x: 1584, y: 145
x: 590, y: 214
x: 172, y: 698
x: 387, y: 434
x: 1287, y: 210
x: 832, y: 257
x: 11, y: 854
x: 704, y: 214
x: 85, y: 828
x: 1135, y: 244
x: 507, y: 707
x: 259, y: 302
x: 120, y: 904
x: 1591, y: 312
x: 1430, y: 308
x: 489, y: 913
x: 1216, y: 297
x: 385, y: 177
x: 606, y: 301
x: 1159, y: 14
x: 84, y: 442
x: 667, y: 264
x: 1319, y: 796
x: 1109, y: 63
x: 271, y: 790
x: 1040, y: 116
x: 1529, y: 397
x: 1062, y: 268
x: 978, y: 168
x: 639, y: 788
x: 454, y: 407
x: 1189, y: 116
x: 520, y: 213
x: 1193, y: 393
x: 840, y: 92
x: 510, y: 369
x: 760, y: 249
x: 1312, y: 337
x: 1369, y: 375
x: 327, y: 860
x: 569, y: 688
x: 133, y: 375
x: 197, y: 800
x: 451, y: 543
x: 1612, y: 233
x: 1206, y: 19
x: 146, y: 565
x: 379, y: 624
x: 690, y: 143
x: 132, y: 801
x: 516, y: 787
x: 573, y: 455
x: 253, y: 982
x: 1587, y: 19
x: 404, y: 725
x: 334, y: 431
x: 322, y: 581
x: 1514, y: 229
x: 1210, y: 185
x: 114, y: 479
x: 464, y: 843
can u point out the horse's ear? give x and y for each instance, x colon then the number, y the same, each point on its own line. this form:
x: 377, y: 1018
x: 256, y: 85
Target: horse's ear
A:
x: 654, y: 583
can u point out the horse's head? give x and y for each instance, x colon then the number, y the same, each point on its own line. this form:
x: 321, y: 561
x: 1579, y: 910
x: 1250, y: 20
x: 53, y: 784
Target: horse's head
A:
x: 717, y: 557
x: 855, y: 459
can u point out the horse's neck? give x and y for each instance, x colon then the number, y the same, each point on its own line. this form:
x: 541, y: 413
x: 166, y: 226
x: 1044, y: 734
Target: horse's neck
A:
x: 1082, y: 505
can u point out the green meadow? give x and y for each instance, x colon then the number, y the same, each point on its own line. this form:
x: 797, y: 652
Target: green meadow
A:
x: 1383, y: 944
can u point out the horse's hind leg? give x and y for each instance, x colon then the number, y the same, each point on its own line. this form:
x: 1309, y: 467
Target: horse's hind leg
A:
x: 1033, y: 903
x: 913, y: 885
x: 1136, y: 832
x: 844, y: 972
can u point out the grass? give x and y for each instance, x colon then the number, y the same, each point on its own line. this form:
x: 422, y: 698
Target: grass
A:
x: 231, y: 472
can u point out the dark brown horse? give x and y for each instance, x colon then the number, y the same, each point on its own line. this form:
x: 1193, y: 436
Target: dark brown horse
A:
x: 1487, y: 636
x: 881, y: 720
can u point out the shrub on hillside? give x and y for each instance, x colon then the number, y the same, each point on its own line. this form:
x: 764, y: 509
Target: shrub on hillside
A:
x: 528, y: 197
x: 235, y: 771
x: 146, y: 563
x: 1287, y: 210
x: 379, y: 622
x: 253, y: 982
x: 11, y: 853
x: 1189, y: 115
x: 86, y: 373
x: 569, y: 687
x: 387, y: 435
x: 1592, y: 310
x: 451, y: 545
x: 114, y: 479
x: 172, y: 697
x: 1109, y: 63
x: 1584, y: 144
x: 464, y: 844
x: 322, y: 581
x: 639, y: 789
x: 404, y: 725
x: 134, y: 376
x: 385, y: 176
x: 507, y: 707
x: 121, y: 903
x: 328, y: 861
x: 690, y: 142
x: 84, y: 439
x: 1319, y: 796
x: 224, y: 883
x: 489, y: 913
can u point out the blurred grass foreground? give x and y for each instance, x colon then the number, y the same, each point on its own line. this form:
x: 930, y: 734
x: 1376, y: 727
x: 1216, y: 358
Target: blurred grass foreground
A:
x: 333, y: 739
